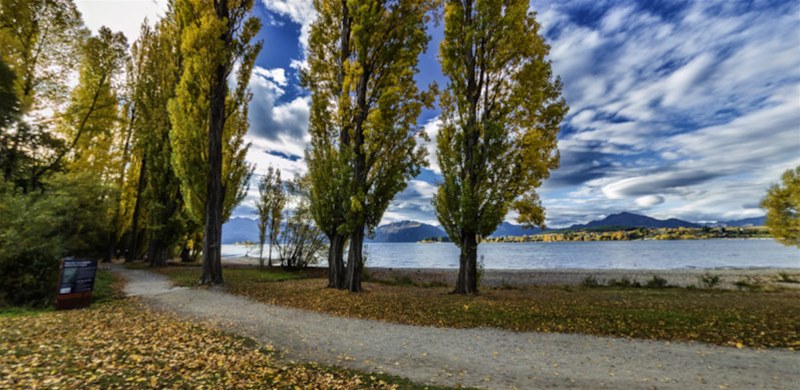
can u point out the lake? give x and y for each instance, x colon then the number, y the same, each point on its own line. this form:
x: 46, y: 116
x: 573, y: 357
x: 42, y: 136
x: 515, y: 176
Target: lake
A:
x: 598, y: 254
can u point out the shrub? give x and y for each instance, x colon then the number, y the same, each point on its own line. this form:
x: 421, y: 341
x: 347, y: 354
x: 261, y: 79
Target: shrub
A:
x: 624, y: 282
x: 709, y: 281
x: 590, y: 281
x: 39, y: 228
x: 785, y: 278
x: 656, y: 282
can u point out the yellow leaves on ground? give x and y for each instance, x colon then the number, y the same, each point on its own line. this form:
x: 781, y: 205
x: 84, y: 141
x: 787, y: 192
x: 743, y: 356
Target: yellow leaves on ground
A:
x: 125, y: 345
x: 731, y: 318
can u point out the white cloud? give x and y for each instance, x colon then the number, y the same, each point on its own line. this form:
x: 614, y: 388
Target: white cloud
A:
x: 301, y: 12
x: 271, y: 119
x: 649, y: 200
x: 432, y: 129
x: 121, y: 15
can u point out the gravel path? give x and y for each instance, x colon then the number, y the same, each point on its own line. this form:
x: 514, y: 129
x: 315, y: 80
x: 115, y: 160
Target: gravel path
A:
x: 487, y: 358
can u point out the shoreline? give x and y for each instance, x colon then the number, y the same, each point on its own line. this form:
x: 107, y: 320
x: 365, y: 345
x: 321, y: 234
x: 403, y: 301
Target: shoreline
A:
x: 683, y: 277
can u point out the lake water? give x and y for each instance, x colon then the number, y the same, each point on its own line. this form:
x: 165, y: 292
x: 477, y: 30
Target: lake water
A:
x: 602, y: 254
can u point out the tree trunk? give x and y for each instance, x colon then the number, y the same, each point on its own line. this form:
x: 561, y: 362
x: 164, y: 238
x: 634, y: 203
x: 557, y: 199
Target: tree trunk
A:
x: 261, y: 254
x: 133, y: 249
x: 467, y: 282
x: 269, y: 256
x: 212, y: 256
x: 336, y: 270
x: 156, y: 252
x: 355, y: 260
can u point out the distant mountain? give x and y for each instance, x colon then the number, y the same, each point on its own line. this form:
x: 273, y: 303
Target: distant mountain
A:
x: 757, y: 221
x: 239, y: 229
x: 406, y: 231
x: 509, y: 229
x: 635, y: 220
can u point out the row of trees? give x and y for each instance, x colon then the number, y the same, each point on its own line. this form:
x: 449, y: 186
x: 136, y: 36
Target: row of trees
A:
x: 145, y: 154
x: 501, y: 111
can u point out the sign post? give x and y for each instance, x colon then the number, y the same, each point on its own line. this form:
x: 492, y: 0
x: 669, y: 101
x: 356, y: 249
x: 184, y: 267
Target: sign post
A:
x: 75, y: 283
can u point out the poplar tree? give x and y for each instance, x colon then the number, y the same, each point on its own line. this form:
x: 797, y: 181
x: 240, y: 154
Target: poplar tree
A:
x: 158, y: 192
x: 501, y: 112
x: 209, y: 120
x: 363, y: 56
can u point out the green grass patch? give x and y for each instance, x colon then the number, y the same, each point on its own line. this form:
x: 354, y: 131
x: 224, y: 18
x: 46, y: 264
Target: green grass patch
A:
x: 190, y: 276
x: 754, y: 318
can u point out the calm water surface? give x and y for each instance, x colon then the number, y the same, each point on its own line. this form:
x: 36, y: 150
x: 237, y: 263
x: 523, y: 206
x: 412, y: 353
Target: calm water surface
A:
x: 605, y: 254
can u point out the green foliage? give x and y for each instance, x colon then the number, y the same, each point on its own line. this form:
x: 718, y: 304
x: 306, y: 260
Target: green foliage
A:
x: 708, y: 280
x: 39, y: 228
x: 41, y: 41
x: 782, y: 203
x: 623, y: 282
x: 153, y: 76
x: 501, y: 113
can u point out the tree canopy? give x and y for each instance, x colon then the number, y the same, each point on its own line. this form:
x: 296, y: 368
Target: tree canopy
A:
x: 782, y: 203
x: 501, y: 112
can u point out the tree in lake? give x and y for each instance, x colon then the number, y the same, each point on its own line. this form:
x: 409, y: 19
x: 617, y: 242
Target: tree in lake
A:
x: 782, y: 203
x: 365, y: 103
x: 270, y: 204
x: 501, y: 112
x: 209, y: 120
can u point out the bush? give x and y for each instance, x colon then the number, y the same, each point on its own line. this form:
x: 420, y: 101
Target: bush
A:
x: 38, y: 229
x: 709, y: 281
x: 656, y: 282
x: 590, y: 281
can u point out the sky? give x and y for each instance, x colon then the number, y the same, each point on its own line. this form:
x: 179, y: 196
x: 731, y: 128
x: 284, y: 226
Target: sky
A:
x: 678, y: 109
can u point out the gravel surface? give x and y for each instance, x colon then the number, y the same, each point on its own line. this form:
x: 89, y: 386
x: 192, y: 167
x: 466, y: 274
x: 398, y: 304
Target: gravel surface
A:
x: 486, y: 358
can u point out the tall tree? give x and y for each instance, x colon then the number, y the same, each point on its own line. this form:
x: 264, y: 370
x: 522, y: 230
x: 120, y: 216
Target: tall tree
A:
x: 782, y: 203
x: 94, y: 127
x: 209, y: 121
x: 159, y: 64
x: 329, y: 51
x: 501, y: 112
x: 362, y: 60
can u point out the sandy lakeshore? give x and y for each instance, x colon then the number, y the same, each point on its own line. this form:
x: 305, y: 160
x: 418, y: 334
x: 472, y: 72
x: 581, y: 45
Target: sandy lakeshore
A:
x: 683, y: 277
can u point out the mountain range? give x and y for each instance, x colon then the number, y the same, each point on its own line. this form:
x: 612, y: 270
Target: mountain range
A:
x: 245, y: 229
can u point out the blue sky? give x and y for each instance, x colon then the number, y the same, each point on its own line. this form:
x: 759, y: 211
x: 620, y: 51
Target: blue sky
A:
x: 685, y: 109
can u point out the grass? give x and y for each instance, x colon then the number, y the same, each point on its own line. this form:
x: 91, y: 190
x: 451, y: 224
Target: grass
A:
x: 734, y: 318
x: 107, y: 287
x: 120, y: 343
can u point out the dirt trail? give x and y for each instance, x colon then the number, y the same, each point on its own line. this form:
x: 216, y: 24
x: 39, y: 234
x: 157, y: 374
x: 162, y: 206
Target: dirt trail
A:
x: 488, y: 358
